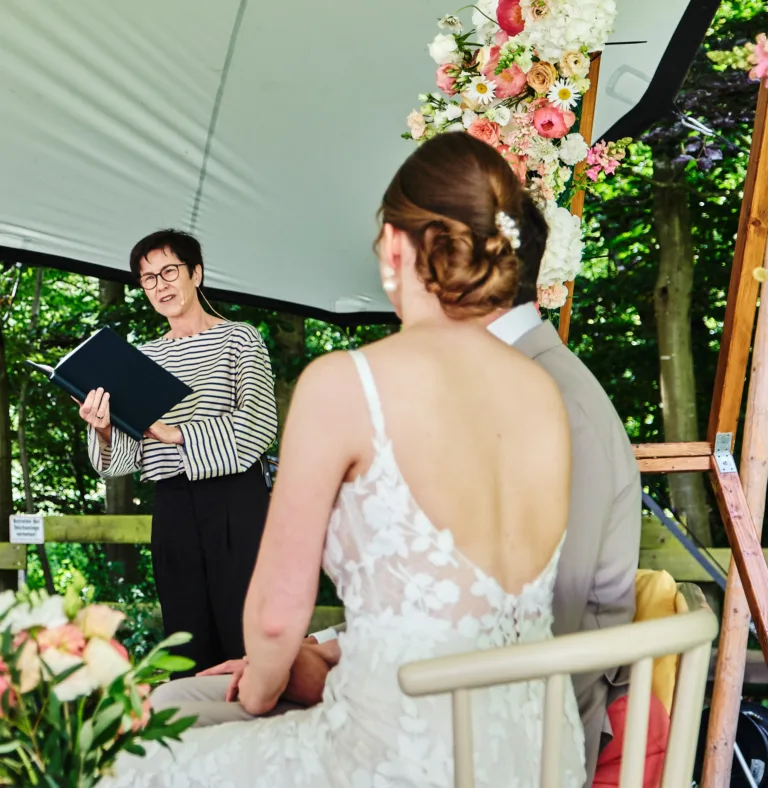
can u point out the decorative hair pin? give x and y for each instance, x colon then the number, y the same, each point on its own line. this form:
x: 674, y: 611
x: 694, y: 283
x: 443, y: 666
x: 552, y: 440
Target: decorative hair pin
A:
x: 508, y: 228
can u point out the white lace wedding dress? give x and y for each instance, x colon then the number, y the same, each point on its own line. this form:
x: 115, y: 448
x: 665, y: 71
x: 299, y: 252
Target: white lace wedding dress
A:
x: 409, y: 594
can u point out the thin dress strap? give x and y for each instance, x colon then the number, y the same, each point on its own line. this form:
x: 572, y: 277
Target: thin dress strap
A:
x: 371, y: 392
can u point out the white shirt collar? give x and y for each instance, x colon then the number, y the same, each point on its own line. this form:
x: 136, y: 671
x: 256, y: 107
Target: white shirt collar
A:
x: 518, y: 321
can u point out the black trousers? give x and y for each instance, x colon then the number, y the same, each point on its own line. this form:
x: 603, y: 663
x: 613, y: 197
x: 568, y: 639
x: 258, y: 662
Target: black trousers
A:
x: 205, y: 537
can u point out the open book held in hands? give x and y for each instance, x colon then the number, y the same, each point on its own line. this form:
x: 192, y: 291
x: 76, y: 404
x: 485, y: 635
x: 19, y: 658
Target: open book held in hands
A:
x: 140, y: 390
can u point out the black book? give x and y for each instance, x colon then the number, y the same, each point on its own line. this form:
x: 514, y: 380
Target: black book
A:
x: 140, y: 390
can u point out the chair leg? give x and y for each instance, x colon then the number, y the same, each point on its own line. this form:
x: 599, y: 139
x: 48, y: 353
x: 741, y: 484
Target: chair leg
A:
x: 636, y: 727
x: 686, y: 717
x: 463, y: 744
x: 554, y: 711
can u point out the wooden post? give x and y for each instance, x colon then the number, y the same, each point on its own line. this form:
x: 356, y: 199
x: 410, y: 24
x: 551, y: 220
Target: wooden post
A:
x: 742, y: 291
x: 577, y: 205
x: 734, y: 631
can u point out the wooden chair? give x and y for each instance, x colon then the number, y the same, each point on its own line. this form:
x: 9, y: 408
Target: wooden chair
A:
x: 689, y: 634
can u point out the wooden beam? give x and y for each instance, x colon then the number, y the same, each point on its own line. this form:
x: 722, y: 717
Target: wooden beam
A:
x: 674, y: 464
x: 104, y: 529
x: 742, y: 291
x: 745, y: 544
x: 649, y: 450
x: 586, y: 124
x: 734, y: 631
x: 13, y: 556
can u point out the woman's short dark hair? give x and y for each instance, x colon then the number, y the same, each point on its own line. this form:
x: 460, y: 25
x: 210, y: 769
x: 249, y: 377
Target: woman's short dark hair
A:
x: 183, y: 245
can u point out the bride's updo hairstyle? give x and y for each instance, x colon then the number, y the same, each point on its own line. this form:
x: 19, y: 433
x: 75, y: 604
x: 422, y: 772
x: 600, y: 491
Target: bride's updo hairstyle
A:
x: 446, y: 198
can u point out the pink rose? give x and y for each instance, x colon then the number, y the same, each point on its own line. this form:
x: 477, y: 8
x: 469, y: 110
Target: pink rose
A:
x: 500, y: 38
x: 510, y: 17
x: 485, y: 130
x: 552, y: 122
x: 446, y: 78
x: 511, y: 82
x: 517, y: 163
x: 67, y: 638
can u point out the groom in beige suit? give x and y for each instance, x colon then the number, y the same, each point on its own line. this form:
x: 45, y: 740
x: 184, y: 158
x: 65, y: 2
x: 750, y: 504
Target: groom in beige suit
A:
x: 595, y: 586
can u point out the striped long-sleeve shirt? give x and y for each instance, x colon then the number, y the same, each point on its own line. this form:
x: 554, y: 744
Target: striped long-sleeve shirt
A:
x: 227, y: 423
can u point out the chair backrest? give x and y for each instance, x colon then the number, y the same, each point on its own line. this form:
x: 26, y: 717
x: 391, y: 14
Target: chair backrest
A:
x: 689, y: 634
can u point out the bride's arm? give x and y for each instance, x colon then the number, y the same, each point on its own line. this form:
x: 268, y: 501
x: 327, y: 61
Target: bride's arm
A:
x: 317, y: 449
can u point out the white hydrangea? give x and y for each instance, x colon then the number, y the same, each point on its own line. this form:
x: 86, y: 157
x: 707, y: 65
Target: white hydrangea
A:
x: 444, y: 50
x: 483, y: 19
x: 568, y: 26
x: 541, y: 151
x: 573, y: 149
x: 562, y: 256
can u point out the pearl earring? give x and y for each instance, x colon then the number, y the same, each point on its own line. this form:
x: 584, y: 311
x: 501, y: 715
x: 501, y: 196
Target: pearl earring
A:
x: 388, y: 281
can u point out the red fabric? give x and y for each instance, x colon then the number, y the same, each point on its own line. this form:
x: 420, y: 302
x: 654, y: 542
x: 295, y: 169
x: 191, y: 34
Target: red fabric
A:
x: 609, y: 762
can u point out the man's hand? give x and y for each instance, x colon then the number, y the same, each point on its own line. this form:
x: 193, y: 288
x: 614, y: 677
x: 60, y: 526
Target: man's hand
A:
x: 309, y: 672
x: 160, y: 431
x: 225, y: 668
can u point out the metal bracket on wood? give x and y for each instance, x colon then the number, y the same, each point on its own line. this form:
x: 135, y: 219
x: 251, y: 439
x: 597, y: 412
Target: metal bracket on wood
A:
x: 723, y: 456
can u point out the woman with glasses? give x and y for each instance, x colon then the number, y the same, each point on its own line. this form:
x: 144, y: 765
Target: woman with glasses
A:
x: 205, y: 455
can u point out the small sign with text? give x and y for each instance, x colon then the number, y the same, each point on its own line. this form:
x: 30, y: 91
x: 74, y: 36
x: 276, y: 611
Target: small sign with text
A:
x: 27, y: 529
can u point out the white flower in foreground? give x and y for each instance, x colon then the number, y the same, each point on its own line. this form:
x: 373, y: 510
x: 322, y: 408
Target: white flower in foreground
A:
x: 481, y: 90
x: 562, y: 255
x: 484, y: 18
x: 542, y: 151
x: 99, y: 621
x: 7, y: 601
x: 563, y: 94
x: 75, y: 685
x: 573, y: 149
x: 103, y: 663
x: 49, y: 614
x: 450, y: 23
x: 444, y: 50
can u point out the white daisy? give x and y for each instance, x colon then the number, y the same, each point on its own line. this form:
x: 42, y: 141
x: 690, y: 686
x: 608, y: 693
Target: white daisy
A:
x: 481, y: 90
x: 563, y: 94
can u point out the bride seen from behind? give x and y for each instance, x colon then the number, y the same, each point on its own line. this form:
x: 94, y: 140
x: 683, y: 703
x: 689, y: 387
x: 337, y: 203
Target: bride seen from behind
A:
x: 429, y: 475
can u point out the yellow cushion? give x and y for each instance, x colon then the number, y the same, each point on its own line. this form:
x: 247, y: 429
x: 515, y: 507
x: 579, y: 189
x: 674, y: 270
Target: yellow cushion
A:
x: 656, y: 596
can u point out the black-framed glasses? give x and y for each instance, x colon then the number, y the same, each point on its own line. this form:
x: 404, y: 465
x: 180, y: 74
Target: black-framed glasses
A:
x: 170, y: 273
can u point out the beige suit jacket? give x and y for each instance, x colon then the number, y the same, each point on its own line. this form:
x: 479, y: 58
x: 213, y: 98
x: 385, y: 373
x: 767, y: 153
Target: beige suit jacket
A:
x: 595, y: 586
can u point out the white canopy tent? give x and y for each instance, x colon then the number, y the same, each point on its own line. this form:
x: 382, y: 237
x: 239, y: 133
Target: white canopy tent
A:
x: 270, y: 130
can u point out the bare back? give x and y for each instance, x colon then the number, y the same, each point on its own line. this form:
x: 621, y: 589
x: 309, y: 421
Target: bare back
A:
x: 481, y: 437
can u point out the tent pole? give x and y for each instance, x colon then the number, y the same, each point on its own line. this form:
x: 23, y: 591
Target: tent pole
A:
x: 577, y: 204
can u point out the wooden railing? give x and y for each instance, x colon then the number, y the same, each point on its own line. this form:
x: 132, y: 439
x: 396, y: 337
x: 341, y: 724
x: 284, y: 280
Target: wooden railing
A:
x: 659, y: 549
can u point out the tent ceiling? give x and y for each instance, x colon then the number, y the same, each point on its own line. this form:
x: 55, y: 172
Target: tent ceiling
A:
x: 268, y: 129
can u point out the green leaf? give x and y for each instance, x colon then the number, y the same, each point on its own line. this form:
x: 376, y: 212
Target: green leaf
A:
x: 134, y: 749
x: 85, y: 737
x: 173, y: 664
x: 178, y: 639
x: 105, y: 722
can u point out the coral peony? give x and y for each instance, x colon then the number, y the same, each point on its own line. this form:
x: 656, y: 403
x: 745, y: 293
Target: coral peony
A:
x: 446, y: 78
x: 553, y: 123
x: 510, y: 82
x: 485, y: 130
x: 510, y: 17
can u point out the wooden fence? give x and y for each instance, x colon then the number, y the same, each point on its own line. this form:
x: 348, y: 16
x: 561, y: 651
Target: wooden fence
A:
x: 658, y: 549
